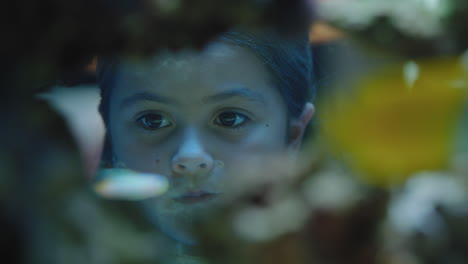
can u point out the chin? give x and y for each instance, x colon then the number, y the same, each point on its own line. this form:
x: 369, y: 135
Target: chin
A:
x: 179, y: 236
x: 178, y: 228
x: 176, y: 222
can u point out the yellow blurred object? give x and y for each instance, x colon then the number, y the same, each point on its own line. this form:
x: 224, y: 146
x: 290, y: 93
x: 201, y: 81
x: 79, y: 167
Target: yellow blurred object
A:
x: 398, y: 121
x: 321, y: 32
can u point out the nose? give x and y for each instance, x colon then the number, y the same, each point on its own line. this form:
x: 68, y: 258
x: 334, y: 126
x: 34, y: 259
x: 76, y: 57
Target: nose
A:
x: 192, y: 165
x: 191, y: 158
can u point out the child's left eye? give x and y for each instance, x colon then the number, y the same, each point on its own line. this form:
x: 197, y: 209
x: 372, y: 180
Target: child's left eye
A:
x: 231, y: 119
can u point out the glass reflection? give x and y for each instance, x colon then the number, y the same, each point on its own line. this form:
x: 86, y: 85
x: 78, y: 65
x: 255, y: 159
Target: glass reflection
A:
x: 220, y: 124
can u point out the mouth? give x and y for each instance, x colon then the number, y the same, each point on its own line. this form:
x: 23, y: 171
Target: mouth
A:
x: 196, y: 197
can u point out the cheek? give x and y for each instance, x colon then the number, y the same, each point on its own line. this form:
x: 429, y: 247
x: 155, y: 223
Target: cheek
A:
x: 259, y: 141
x: 138, y: 154
x: 262, y: 138
x: 266, y: 137
x: 253, y: 154
x: 257, y: 160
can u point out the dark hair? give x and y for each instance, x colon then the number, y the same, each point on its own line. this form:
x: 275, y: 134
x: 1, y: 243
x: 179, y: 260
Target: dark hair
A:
x: 287, y: 57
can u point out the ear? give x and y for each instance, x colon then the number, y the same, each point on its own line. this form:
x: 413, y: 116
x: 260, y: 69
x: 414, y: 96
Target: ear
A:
x: 298, y: 126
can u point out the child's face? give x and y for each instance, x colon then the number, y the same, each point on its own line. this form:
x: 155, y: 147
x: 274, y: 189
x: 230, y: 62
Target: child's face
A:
x: 196, y: 118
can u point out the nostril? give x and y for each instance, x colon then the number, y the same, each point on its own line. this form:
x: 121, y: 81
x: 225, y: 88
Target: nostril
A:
x: 181, y: 167
x: 203, y: 165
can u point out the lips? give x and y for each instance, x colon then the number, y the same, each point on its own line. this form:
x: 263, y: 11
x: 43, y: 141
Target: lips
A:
x: 196, y: 197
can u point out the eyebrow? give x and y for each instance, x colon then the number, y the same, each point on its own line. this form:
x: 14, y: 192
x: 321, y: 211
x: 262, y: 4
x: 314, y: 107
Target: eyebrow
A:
x: 244, y: 93
x: 145, y: 96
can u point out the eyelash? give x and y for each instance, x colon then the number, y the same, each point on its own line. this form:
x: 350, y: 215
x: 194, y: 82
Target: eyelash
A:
x: 237, y: 114
x: 167, y: 123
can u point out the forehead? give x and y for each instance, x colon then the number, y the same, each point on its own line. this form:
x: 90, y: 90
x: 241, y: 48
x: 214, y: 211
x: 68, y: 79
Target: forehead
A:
x: 191, y: 73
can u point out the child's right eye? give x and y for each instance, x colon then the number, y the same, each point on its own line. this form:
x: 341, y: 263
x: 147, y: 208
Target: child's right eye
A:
x: 154, y: 121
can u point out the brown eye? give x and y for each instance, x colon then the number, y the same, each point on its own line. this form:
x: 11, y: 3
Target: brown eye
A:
x: 231, y: 119
x: 154, y: 121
